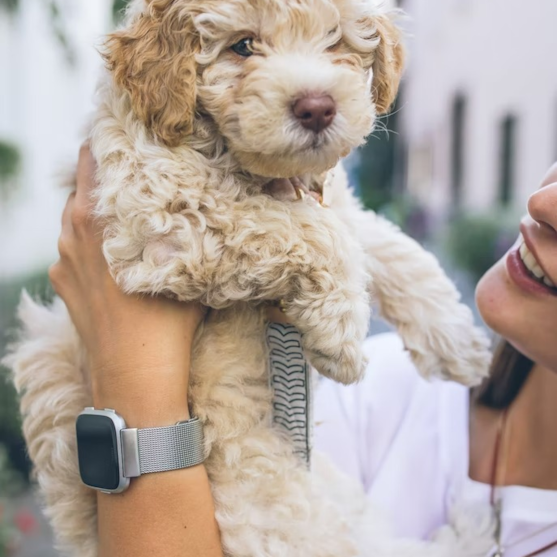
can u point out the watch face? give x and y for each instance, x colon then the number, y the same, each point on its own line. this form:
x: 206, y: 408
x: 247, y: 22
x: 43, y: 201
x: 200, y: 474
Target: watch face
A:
x: 98, y: 451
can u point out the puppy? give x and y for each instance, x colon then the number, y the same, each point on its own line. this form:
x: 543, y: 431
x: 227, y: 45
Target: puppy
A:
x: 204, y: 104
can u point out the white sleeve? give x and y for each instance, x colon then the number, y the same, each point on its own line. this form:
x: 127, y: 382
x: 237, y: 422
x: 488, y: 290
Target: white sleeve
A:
x: 356, y: 425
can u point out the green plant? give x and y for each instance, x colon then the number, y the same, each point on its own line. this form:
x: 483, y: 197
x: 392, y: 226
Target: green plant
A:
x: 377, y: 171
x: 10, y: 163
x: 9, y: 5
x: 118, y: 8
x: 10, y: 484
x: 60, y: 32
x: 10, y: 426
x: 475, y: 242
x: 55, y: 11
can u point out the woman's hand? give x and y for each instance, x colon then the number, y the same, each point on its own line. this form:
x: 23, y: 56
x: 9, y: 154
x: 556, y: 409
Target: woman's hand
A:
x: 139, y: 351
x: 135, y: 344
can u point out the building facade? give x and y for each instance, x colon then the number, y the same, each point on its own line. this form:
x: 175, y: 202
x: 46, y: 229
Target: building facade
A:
x: 479, y: 105
x: 45, y: 97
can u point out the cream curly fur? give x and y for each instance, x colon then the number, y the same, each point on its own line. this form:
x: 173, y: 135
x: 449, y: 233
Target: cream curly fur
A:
x: 186, y: 136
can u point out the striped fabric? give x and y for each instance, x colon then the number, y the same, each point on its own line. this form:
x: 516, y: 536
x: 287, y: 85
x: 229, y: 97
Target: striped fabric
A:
x: 290, y: 380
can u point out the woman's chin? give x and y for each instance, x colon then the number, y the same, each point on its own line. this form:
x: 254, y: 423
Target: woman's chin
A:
x: 526, y: 322
x: 497, y: 303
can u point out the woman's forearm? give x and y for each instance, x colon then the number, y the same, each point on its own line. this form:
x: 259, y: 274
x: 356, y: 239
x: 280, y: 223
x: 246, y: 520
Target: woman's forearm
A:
x: 169, y: 514
x: 139, y: 351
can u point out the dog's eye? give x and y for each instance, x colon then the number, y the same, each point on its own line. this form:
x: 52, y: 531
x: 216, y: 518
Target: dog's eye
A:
x: 244, y: 47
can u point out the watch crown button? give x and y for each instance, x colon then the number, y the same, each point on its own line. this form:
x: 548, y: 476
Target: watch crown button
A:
x: 110, y: 410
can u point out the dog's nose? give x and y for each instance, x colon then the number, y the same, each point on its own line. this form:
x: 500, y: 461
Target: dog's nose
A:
x: 315, y: 113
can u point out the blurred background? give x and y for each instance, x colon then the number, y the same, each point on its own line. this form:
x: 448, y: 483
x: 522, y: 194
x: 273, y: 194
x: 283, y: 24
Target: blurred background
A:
x: 472, y: 133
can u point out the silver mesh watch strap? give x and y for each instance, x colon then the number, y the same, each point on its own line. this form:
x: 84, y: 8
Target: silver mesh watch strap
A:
x: 160, y: 449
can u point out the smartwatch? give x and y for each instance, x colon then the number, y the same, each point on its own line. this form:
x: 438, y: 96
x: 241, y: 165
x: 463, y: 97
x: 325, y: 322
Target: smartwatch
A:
x: 110, y: 453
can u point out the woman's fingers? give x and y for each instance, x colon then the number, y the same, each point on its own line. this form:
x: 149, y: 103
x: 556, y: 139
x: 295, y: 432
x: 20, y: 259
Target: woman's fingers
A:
x: 85, y: 178
x: 68, y: 209
x: 82, y: 220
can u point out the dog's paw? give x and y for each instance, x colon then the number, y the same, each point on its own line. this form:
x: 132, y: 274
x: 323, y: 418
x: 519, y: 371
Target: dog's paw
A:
x: 463, y: 356
x: 473, y: 362
x: 345, y: 366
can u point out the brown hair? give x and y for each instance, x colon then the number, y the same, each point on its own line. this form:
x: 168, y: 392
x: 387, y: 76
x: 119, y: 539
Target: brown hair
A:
x: 509, y: 372
x: 388, y: 64
x: 154, y: 61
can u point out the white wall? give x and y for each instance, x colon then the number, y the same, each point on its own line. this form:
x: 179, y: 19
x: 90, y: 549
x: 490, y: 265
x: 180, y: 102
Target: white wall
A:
x: 44, y: 103
x: 501, y: 55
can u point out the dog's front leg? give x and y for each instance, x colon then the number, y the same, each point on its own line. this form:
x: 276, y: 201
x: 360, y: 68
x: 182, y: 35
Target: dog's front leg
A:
x: 332, y: 312
x: 304, y: 255
x: 415, y: 295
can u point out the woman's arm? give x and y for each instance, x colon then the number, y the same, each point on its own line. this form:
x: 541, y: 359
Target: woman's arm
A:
x: 139, y: 351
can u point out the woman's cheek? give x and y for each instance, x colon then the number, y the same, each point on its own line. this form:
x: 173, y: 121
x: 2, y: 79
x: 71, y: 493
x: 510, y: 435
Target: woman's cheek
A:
x: 525, y: 322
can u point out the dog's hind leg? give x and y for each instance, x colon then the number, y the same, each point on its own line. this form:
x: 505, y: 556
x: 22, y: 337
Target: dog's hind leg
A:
x: 48, y: 371
x: 268, y: 506
x: 415, y: 295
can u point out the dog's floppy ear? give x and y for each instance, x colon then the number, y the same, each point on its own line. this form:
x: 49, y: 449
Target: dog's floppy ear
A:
x: 388, y: 64
x: 153, y: 59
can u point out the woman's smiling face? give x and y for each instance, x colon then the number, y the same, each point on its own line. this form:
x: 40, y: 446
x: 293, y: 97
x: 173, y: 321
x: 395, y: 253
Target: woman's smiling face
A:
x: 517, y: 297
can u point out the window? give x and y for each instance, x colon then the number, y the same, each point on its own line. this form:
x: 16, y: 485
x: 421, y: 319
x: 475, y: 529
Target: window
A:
x: 458, y: 148
x: 507, y: 160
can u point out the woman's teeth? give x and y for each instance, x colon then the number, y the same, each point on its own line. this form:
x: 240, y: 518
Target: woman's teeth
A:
x: 533, y: 266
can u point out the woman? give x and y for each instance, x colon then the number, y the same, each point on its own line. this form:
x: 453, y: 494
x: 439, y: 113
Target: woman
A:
x: 407, y: 441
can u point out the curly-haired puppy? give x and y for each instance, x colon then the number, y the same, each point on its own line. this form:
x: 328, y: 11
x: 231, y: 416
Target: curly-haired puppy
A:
x: 204, y: 104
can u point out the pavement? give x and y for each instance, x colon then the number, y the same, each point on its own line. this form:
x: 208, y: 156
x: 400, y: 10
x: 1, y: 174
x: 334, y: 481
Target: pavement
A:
x: 38, y: 543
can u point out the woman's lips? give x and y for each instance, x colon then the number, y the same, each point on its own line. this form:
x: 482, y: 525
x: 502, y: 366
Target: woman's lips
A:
x: 522, y: 278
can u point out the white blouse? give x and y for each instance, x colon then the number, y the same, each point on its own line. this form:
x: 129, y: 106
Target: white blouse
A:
x: 407, y: 441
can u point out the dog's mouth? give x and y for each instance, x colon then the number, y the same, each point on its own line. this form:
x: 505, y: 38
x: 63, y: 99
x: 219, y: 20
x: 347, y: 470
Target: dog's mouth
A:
x: 287, y: 189
x: 316, y: 142
x: 319, y: 141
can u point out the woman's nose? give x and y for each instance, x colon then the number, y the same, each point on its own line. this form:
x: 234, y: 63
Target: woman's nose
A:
x: 542, y: 205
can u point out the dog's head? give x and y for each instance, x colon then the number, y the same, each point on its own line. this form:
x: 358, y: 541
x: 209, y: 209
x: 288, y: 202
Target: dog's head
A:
x: 291, y: 84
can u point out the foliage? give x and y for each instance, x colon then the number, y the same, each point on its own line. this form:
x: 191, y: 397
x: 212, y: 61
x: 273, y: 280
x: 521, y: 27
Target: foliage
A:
x: 10, y: 162
x: 376, y: 172
x: 56, y: 22
x: 10, y: 426
x: 406, y: 213
x: 60, y: 32
x: 10, y: 484
x: 118, y: 8
x: 476, y: 242
x: 10, y: 6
